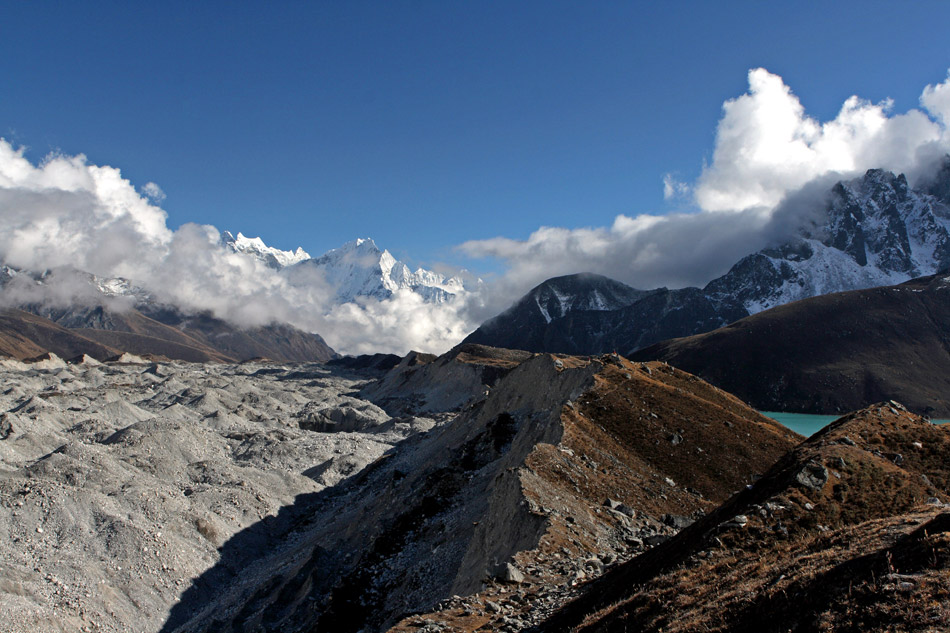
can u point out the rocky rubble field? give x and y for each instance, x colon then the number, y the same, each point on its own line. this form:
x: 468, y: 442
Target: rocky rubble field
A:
x: 119, y: 482
x: 553, y: 470
x: 483, y: 490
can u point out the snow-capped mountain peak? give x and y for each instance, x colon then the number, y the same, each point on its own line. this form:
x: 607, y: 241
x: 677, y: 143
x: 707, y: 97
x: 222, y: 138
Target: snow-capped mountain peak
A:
x: 255, y: 246
x: 357, y: 269
x: 877, y: 231
x: 360, y: 269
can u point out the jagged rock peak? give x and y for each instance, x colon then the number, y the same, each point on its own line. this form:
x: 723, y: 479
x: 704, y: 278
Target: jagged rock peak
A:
x: 255, y: 246
x: 875, y: 231
x: 938, y: 185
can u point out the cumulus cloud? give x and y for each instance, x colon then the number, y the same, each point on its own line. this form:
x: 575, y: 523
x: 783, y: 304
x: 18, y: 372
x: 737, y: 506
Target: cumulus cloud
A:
x: 771, y: 166
x: 645, y: 251
x: 766, y: 146
x: 936, y: 100
x: 402, y: 322
x: 153, y: 192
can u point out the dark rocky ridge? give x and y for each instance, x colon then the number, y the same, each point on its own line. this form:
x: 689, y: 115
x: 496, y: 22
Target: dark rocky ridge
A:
x: 535, y: 322
x: 834, y: 353
x: 162, y: 333
x: 366, y: 362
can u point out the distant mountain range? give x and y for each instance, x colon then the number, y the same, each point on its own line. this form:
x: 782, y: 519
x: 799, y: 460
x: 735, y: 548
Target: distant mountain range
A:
x: 105, y: 334
x: 255, y: 247
x: 356, y: 269
x: 115, y: 315
x: 875, y: 231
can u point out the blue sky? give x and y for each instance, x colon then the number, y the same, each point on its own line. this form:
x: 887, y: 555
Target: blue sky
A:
x: 427, y: 124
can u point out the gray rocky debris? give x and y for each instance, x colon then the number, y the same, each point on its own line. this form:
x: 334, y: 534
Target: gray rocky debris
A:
x: 812, y: 475
x: 119, y: 482
x: 507, y: 572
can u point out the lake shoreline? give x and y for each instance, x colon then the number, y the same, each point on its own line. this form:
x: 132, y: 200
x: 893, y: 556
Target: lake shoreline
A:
x: 808, y: 424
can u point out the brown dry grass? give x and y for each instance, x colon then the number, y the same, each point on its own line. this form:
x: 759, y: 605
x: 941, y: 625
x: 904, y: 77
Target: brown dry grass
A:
x: 863, y: 554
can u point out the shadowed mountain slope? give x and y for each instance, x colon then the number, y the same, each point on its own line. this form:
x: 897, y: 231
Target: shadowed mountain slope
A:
x: 163, y: 332
x: 832, y: 353
x: 24, y: 335
x: 536, y: 321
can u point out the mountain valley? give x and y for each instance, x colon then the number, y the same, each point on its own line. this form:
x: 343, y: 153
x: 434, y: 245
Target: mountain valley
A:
x: 268, y: 464
x: 182, y: 473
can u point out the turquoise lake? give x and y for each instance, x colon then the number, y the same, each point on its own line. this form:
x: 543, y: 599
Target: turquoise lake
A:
x: 808, y: 424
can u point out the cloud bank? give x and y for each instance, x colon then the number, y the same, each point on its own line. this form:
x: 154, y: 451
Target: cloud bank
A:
x: 66, y: 215
x: 771, y: 164
x: 770, y: 167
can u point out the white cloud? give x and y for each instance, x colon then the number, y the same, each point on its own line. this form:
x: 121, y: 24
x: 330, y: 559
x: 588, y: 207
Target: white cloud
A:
x: 65, y: 213
x: 673, y: 188
x: 153, y: 192
x: 936, y: 100
x: 402, y: 322
x: 771, y: 165
x: 766, y: 146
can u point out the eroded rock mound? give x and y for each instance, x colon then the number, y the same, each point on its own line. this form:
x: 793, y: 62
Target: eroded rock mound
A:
x: 459, y: 378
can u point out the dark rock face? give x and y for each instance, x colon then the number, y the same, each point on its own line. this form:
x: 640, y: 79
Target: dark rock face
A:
x: 534, y: 322
x: 939, y: 186
x: 875, y: 230
x: 371, y: 362
x: 581, y: 322
x: 812, y: 475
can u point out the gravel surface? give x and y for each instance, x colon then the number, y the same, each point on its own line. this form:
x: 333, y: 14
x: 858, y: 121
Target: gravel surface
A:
x: 119, y: 482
